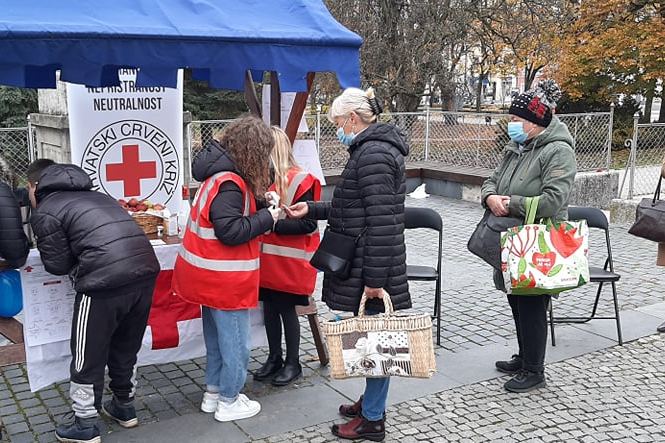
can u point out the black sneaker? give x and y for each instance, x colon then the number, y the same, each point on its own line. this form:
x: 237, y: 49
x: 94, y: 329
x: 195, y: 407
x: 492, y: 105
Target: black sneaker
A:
x: 525, y: 381
x: 81, y: 430
x: 124, y: 414
x: 509, y: 366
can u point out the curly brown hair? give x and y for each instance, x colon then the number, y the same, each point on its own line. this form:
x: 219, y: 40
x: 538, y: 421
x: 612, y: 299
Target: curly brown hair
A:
x: 248, y: 141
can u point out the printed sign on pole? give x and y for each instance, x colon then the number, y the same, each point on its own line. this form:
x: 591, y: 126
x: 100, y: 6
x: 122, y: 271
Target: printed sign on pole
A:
x: 129, y: 139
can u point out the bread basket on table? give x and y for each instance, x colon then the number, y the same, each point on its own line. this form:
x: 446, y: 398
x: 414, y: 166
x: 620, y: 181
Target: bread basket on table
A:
x: 147, y: 222
x: 388, y: 344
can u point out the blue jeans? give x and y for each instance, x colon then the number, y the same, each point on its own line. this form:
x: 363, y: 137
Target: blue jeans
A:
x: 376, y: 394
x: 226, y: 335
x: 374, y: 399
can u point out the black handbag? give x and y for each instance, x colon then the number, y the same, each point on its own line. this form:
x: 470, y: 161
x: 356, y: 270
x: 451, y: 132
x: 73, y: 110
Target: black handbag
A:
x: 485, y: 242
x: 650, y: 218
x: 335, y: 253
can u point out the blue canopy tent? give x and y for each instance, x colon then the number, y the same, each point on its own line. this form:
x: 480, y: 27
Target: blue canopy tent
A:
x: 225, y: 42
x: 221, y: 41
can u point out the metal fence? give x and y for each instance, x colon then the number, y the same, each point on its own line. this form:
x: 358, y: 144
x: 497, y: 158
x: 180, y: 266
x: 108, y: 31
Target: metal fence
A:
x: 647, y: 151
x: 16, y: 148
x: 454, y: 138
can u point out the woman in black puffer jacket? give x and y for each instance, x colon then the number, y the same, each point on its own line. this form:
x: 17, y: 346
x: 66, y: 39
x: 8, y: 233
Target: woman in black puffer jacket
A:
x: 13, y: 242
x: 367, y: 202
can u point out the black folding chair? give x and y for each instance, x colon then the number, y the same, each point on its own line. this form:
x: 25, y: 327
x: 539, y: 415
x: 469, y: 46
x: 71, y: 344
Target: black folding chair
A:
x: 595, y: 219
x: 416, y: 218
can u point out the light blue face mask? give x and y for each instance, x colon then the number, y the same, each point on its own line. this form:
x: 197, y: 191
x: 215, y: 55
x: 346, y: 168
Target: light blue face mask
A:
x: 516, y: 132
x: 345, y: 139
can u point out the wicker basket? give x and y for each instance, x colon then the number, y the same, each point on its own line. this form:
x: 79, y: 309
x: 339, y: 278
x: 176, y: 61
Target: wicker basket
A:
x: 147, y: 222
x: 381, y: 345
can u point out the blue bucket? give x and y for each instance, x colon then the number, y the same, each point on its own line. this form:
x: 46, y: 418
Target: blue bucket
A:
x: 11, y: 295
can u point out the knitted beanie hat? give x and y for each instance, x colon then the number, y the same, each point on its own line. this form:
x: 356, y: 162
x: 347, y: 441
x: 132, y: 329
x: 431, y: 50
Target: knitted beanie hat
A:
x: 537, y: 104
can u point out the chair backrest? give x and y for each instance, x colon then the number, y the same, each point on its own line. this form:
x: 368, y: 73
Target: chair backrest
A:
x: 415, y: 218
x: 595, y: 218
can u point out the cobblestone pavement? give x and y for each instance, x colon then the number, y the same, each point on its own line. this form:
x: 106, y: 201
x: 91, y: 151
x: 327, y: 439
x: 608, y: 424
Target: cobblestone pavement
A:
x: 473, y: 314
x: 616, y: 394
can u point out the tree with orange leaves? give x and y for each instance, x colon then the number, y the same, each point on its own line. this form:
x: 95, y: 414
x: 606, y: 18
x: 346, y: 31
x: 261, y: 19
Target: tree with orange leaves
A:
x: 615, y: 47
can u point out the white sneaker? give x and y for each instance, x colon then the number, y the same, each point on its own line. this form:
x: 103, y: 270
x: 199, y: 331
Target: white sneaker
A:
x: 209, y: 403
x: 239, y: 409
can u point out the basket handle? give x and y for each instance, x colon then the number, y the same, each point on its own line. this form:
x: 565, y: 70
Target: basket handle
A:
x: 387, y: 304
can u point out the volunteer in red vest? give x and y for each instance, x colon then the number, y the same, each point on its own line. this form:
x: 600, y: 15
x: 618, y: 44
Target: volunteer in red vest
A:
x: 287, y: 278
x: 218, y: 263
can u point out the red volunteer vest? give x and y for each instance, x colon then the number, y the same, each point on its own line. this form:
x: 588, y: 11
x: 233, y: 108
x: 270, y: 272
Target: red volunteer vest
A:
x: 285, y: 258
x: 207, y: 271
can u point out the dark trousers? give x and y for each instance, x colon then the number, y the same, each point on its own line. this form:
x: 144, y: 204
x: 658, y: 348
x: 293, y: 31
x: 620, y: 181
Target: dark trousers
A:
x: 274, y: 315
x: 106, y: 331
x: 530, y: 314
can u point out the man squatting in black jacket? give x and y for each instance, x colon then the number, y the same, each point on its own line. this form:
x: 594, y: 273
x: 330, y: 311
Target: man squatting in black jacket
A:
x: 88, y: 236
x: 13, y: 242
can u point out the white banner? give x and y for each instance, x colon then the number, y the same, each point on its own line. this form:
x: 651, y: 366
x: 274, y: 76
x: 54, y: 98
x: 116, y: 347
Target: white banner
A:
x: 174, y: 331
x: 129, y: 139
x: 286, y: 103
x: 307, y: 157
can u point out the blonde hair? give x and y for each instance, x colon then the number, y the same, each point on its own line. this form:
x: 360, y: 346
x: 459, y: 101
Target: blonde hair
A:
x: 363, y: 103
x: 283, y: 160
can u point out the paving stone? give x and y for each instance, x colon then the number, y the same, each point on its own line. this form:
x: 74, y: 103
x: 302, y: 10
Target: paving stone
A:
x: 39, y: 419
x: 20, y: 387
x: 43, y: 428
x: 13, y: 418
x: 30, y: 402
x: 24, y: 395
x: 16, y: 428
x: 7, y: 410
x: 26, y: 437
x: 49, y: 393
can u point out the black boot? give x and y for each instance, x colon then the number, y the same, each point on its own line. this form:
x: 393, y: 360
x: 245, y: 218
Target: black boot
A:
x: 81, y: 430
x: 123, y: 413
x: 360, y: 428
x: 509, y: 366
x: 525, y: 381
x: 661, y: 327
x: 269, y: 368
x: 290, y: 372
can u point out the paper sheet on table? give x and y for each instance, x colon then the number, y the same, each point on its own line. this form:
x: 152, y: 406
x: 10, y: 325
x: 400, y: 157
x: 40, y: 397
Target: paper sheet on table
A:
x: 48, y: 314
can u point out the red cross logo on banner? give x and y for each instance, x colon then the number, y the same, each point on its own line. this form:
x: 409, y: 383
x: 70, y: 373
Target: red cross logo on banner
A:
x: 166, y: 311
x: 131, y: 170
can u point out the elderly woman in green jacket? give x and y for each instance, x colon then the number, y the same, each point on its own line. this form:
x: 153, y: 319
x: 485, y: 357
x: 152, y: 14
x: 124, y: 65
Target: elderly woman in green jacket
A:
x: 538, y: 161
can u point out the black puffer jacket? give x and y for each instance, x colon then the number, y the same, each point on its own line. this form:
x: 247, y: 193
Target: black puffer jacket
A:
x: 226, y: 209
x: 370, y: 195
x: 87, y: 235
x: 13, y: 242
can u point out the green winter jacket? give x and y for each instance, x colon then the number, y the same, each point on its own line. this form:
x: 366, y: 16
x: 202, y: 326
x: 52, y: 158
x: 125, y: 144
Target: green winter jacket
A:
x: 546, y: 167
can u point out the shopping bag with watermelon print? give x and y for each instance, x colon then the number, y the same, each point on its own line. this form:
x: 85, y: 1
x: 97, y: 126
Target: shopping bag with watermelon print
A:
x: 546, y: 258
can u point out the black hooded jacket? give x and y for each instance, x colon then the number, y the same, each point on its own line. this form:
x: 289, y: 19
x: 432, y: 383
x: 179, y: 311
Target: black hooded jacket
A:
x: 370, y: 199
x: 226, y: 209
x: 87, y: 235
x: 13, y: 242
